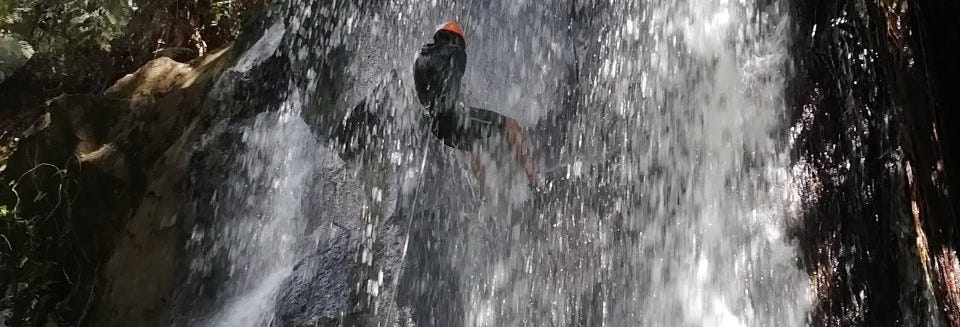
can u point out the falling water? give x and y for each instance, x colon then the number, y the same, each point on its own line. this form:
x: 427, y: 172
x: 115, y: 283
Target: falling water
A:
x: 250, y: 211
x: 257, y: 225
x: 661, y: 132
x: 685, y: 223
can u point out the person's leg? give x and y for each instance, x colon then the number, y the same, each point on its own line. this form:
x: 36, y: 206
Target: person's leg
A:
x: 514, y: 136
x: 460, y: 130
x: 476, y: 166
x: 490, y: 122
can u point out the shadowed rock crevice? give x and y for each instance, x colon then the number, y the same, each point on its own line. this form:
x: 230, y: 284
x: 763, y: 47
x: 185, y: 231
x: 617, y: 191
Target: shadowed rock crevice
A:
x: 874, y: 137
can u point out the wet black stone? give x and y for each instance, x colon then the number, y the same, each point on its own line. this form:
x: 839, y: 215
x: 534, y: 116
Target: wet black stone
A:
x: 321, y: 290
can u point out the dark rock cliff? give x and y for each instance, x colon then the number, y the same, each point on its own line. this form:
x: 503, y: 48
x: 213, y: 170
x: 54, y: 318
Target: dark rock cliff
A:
x: 873, y: 108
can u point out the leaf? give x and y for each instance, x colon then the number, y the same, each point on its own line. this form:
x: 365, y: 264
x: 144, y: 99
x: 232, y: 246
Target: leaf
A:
x: 78, y: 20
x: 110, y: 19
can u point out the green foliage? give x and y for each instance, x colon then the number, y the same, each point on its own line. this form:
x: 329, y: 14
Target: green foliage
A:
x: 52, y: 25
x: 36, y: 284
x: 82, y: 46
x: 223, y: 13
x: 226, y: 16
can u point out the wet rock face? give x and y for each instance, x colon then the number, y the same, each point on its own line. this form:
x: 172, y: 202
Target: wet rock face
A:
x: 349, y: 282
x: 385, y: 270
x: 430, y: 283
x: 321, y: 290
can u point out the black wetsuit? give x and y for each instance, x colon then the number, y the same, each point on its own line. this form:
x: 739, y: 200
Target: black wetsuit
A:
x: 460, y: 128
x: 437, y: 73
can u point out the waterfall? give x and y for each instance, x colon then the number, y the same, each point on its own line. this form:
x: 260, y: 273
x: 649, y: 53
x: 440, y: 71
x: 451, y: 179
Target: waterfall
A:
x: 256, y: 232
x: 686, y: 222
x: 662, y: 134
x: 253, y: 199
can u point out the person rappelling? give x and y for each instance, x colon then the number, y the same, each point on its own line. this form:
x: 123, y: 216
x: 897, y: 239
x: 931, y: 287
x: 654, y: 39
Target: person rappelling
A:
x: 437, y: 72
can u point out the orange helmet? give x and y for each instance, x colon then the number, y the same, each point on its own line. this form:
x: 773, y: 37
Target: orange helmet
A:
x: 452, y: 26
x: 440, y: 66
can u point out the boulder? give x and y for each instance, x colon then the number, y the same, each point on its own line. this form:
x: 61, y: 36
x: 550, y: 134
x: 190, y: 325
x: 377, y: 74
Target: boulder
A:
x: 14, y: 53
x: 322, y: 289
x: 164, y: 100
